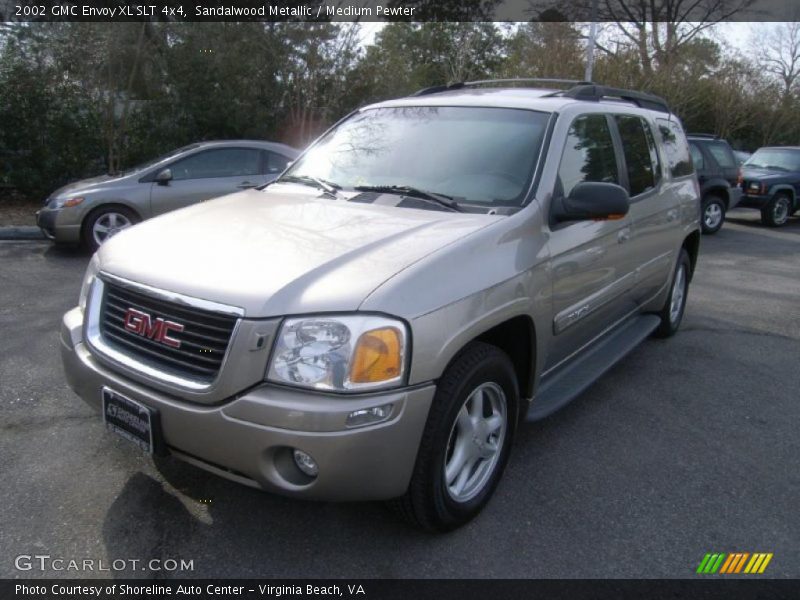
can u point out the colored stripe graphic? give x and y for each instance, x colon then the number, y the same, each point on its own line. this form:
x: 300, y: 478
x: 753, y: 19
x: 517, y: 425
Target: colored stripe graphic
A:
x: 710, y: 563
x: 727, y: 564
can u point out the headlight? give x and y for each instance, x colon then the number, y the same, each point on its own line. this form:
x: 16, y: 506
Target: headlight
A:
x: 88, y: 280
x: 346, y: 353
x: 755, y: 186
x: 66, y: 202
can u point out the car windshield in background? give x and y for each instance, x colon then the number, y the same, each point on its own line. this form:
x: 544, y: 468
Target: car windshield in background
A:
x: 470, y: 154
x: 775, y: 158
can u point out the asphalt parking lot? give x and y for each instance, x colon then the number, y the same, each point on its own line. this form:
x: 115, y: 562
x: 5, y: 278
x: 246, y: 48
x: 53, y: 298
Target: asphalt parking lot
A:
x: 690, y: 445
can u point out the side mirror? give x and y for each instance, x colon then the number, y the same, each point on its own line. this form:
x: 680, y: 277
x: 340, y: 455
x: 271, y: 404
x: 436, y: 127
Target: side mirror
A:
x: 164, y: 177
x: 592, y: 201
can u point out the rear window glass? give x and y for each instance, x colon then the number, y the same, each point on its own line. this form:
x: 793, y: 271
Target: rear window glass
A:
x: 722, y: 154
x: 676, y: 148
x: 638, y: 157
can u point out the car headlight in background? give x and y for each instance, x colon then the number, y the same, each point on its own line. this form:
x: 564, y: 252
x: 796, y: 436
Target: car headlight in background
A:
x: 88, y: 280
x: 66, y: 202
x: 340, y: 353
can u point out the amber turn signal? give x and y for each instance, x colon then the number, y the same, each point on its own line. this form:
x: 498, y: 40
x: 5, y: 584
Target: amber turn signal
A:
x: 378, y: 356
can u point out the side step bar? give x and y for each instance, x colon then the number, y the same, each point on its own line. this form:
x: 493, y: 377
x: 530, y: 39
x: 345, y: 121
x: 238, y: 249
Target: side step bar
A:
x: 565, y: 384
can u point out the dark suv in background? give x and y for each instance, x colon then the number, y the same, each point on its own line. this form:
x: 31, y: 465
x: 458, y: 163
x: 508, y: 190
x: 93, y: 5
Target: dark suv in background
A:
x: 717, y: 172
x: 770, y: 182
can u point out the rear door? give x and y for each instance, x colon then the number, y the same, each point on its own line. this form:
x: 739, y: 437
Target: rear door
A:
x: 654, y: 214
x: 591, y: 277
x: 208, y: 174
x: 723, y: 156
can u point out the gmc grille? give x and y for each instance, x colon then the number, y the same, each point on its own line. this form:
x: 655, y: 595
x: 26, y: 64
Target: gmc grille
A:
x: 203, y: 341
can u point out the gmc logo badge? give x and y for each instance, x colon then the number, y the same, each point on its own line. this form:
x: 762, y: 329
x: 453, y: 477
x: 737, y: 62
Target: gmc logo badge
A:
x: 157, y: 329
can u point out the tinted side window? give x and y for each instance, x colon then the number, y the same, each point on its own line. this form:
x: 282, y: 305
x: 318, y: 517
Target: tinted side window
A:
x: 698, y: 159
x: 722, y: 154
x: 276, y: 163
x: 225, y: 162
x: 675, y: 147
x: 638, y: 160
x: 588, y: 154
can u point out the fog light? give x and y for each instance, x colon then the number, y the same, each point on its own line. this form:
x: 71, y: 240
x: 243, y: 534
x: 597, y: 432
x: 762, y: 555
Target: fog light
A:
x: 305, y: 463
x: 367, y: 416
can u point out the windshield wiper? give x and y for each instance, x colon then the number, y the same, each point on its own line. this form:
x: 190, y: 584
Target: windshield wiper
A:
x: 405, y: 190
x: 330, y: 188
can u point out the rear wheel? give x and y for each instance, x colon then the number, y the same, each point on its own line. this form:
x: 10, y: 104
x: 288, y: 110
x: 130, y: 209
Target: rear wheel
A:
x: 104, y: 223
x: 466, y: 442
x: 776, y: 213
x: 713, y: 214
x: 672, y: 313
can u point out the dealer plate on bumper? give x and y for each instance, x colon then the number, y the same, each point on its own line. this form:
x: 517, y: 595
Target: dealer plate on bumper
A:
x: 130, y: 419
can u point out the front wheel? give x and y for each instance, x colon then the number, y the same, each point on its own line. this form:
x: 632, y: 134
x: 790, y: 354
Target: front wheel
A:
x: 104, y: 223
x: 466, y: 442
x: 776, y: 213
x: 713, y: 214
x: 672, y: 313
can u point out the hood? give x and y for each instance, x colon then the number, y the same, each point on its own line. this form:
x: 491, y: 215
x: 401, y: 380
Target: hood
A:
x: 274, y: 254
x: 764, y: 174
x: 86, y: 185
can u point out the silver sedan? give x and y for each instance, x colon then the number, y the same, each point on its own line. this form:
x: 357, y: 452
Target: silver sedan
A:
x: 92, y: 210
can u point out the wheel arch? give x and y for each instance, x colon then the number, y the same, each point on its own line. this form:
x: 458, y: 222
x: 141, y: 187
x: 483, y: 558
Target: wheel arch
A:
x: 516, y: 337
x: 692, y: 246
x: 719, y: 189
x: 113, y: 204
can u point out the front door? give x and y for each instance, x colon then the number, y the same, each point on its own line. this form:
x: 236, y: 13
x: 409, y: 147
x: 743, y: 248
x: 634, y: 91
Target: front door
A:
x: 591, y: 274
x: 207, y: 174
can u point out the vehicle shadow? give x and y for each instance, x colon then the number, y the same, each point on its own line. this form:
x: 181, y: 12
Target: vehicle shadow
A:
x: 230, y: 530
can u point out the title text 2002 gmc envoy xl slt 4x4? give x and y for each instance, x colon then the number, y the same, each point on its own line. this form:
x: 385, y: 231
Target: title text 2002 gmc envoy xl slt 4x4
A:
x: 376, y: 323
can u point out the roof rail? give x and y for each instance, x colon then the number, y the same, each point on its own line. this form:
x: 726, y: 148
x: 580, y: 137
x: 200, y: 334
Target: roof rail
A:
x: 592, y: 92
x: 526, y: 80
x: 462, y: 84
x: 710, y: 136
x: 435, y: 89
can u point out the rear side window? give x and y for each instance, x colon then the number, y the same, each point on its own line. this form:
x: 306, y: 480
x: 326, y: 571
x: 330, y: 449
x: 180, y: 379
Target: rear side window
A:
x: 698, y: 159
x: 588, y: 154
x: 641, y: 159
x: 676, y: 149
x: 224, y: 162
x: 723, y: 154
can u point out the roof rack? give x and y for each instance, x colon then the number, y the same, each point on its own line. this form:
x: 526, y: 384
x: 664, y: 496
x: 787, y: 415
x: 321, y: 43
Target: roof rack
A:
x: 580, y: 90
x: 462, y: 84
x: 592, y: 92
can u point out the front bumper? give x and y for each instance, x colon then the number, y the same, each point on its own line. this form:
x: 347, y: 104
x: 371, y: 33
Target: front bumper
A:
x: 58, y: 225
x: 248, y: 437
x: 754, y: 200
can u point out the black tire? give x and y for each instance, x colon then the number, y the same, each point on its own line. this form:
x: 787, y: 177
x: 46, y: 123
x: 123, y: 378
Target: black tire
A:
x: 428, y: 502
x: 712, y: 214
x: 671, y: 320
x: 777, y: 211
x: 88, y: 238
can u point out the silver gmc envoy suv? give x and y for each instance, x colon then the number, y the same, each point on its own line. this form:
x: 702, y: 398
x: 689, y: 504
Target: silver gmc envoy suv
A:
x: 378, y: 322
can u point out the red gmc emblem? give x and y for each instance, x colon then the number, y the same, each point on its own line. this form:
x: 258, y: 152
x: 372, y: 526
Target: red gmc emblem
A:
x: 157, y: 329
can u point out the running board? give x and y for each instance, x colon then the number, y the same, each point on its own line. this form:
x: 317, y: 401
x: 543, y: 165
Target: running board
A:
x: 565, y: 384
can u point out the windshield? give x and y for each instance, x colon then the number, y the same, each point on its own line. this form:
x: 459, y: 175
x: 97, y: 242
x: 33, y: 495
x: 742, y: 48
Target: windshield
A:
x: 150, y: 163
x: 471, y: 154
x: 775, y: 158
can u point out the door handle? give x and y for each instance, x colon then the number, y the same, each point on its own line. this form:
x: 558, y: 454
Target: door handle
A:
x: 624, y: 235
x: 245, y: 185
